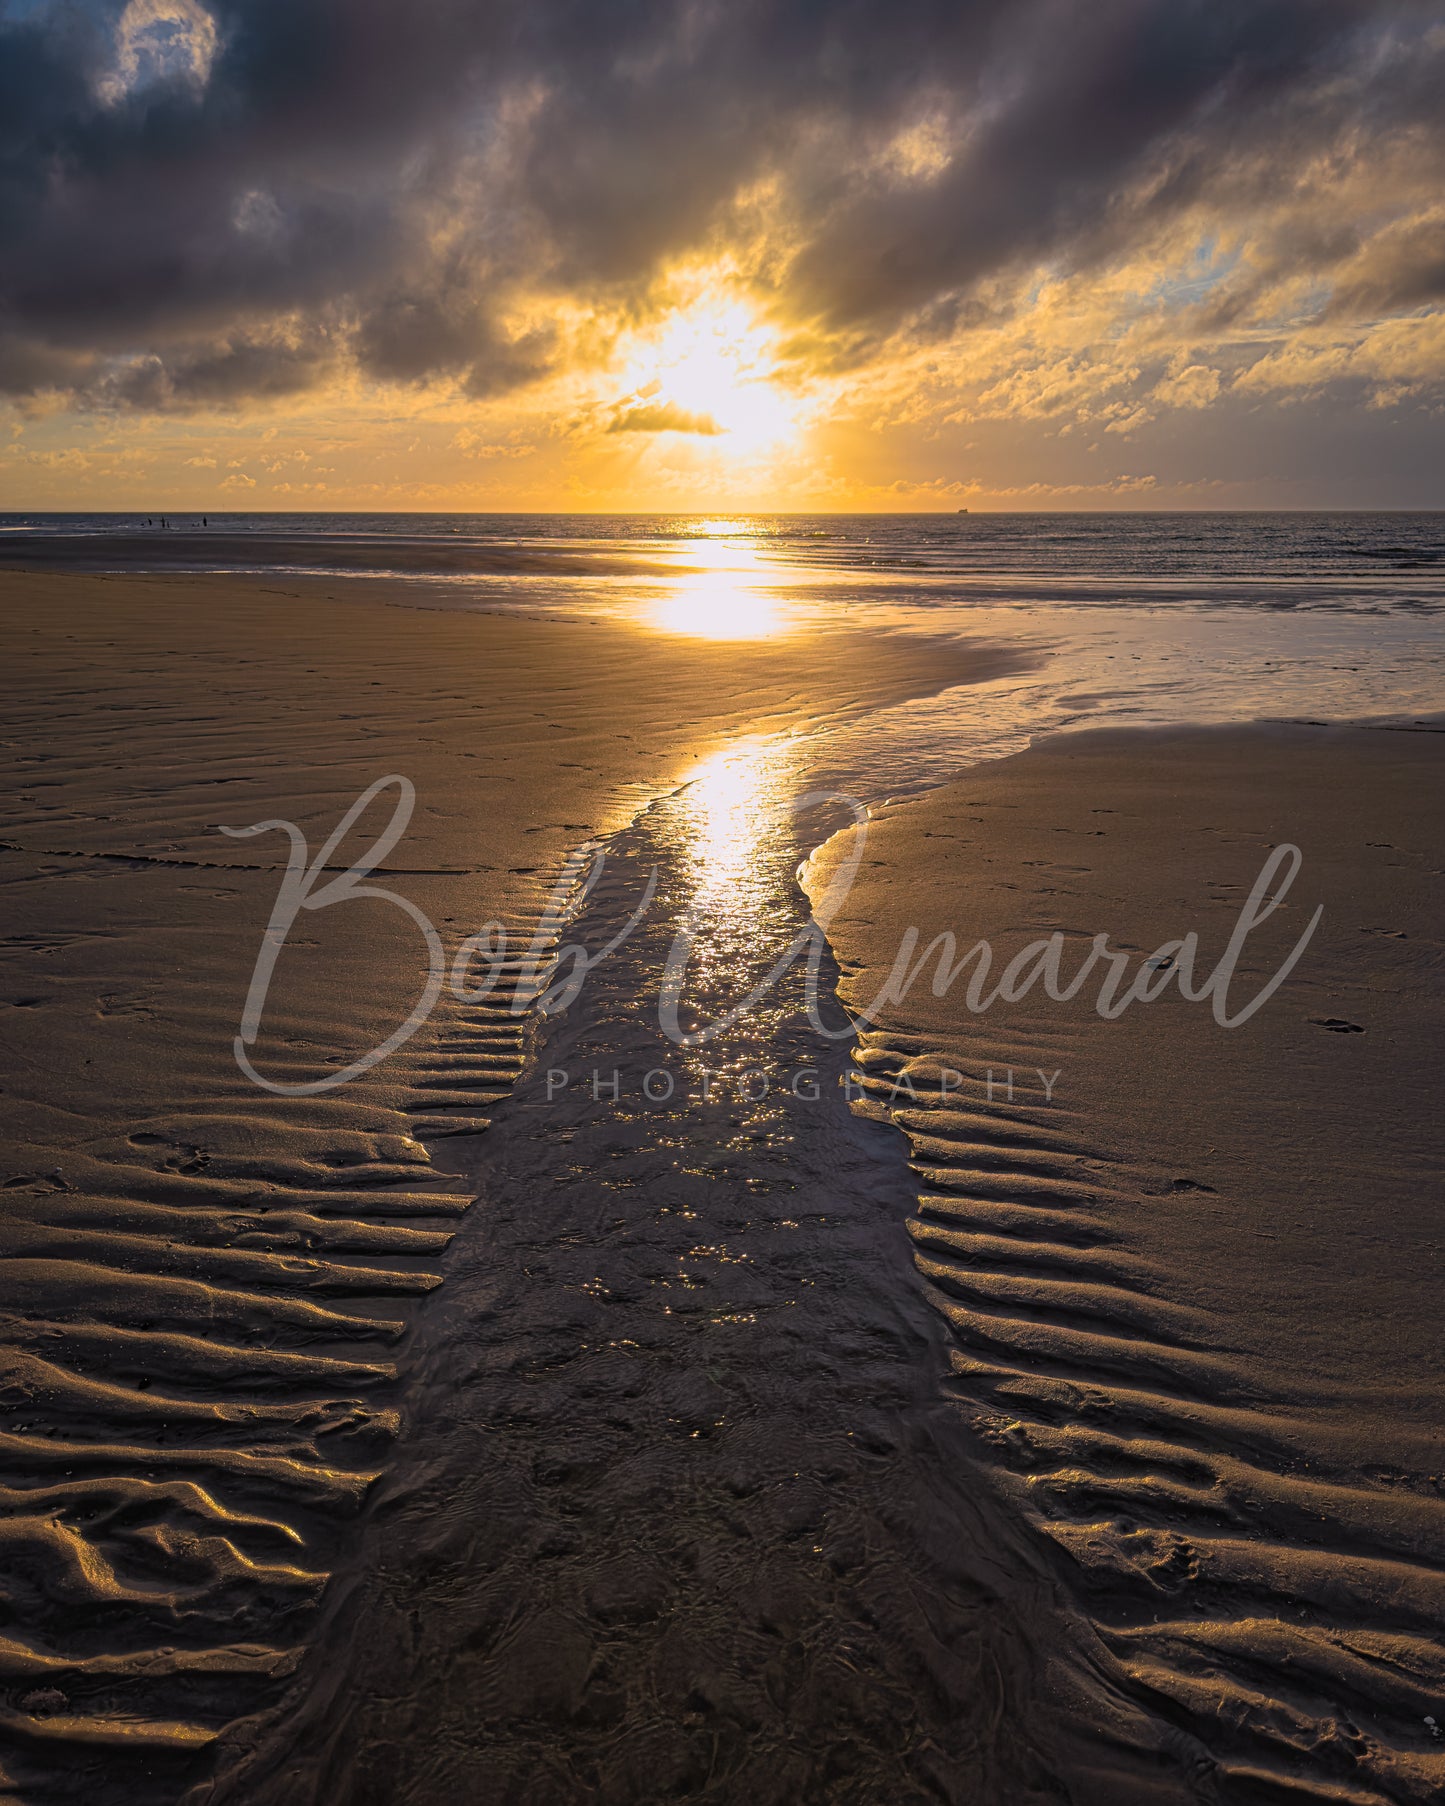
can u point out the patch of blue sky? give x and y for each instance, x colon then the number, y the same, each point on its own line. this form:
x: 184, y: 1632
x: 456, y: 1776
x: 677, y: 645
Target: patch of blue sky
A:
x: 1208, y: 266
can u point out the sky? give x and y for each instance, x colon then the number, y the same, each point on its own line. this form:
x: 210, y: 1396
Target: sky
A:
x: 721, y: 255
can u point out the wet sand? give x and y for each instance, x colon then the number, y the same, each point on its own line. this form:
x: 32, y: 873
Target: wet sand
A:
x: 216, y: 551
x: 1193, y: 1302
x: 210, y: 1288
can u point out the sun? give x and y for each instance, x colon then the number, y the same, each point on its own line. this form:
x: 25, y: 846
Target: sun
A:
x: 711, y: 370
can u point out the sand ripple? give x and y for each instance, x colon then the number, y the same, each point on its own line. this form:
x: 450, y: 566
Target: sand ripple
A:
x: 1283, y: 1612
x: 197, y: 1390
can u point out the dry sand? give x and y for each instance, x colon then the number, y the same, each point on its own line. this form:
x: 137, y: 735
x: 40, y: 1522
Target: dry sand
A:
x: 1194, y: 1300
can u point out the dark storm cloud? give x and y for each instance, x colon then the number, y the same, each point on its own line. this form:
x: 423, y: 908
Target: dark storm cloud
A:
x: 220, y: 374
x: 252, y: 193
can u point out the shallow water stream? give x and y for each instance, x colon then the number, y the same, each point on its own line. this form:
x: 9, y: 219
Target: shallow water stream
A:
x: 682, y: 1508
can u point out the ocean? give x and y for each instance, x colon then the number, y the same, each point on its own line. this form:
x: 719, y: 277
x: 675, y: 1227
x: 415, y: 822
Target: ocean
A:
x: 1275, y: 560
x: 1114, y: 619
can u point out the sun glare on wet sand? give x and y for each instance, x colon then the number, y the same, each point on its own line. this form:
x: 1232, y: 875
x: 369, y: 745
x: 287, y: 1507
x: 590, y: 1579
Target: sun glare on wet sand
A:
x: 720, y: 593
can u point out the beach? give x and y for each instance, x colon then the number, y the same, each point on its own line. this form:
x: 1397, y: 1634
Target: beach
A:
x: 1189, y: 1270
x: 1001, y: 1403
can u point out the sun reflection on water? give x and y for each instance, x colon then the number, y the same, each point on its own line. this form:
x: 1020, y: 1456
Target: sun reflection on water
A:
x: 731, y: 804
x: 731, y: 822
